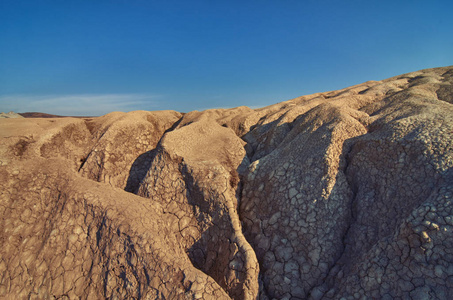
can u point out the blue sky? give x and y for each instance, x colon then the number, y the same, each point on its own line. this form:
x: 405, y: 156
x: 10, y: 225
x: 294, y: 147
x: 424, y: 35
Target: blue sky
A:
x: 92, y: 57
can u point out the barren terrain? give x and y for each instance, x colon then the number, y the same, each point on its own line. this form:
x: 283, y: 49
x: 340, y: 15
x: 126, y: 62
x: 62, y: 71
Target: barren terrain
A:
x: 337, y: 195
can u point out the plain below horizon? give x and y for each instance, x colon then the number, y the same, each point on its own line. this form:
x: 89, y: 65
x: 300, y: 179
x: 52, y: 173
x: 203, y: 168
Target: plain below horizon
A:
x: 84, y: 58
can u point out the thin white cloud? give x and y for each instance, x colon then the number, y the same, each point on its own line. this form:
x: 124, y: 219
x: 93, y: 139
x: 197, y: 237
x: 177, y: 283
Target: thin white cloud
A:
x: 78, y: 105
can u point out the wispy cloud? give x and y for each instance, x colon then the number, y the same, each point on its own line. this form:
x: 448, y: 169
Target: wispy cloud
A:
x: 79, y: 104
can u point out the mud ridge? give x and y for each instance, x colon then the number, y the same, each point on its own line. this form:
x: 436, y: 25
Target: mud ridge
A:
x: 337, y: 195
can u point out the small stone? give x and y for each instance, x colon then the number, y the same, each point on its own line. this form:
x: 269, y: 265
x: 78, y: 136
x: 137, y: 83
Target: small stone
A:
x: 438, y: 270
x: 292, y: 192
x: 73, y: 238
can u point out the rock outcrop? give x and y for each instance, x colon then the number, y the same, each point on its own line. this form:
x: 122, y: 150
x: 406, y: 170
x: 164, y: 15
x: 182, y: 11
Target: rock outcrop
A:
x: 337, y: 195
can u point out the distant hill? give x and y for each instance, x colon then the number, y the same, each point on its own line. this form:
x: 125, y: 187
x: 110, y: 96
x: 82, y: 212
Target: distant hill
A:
x: 10, y: 115
x: 44, y: 115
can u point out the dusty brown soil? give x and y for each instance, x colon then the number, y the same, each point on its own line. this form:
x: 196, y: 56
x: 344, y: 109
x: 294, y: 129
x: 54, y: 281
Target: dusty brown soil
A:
x: 338, y: 195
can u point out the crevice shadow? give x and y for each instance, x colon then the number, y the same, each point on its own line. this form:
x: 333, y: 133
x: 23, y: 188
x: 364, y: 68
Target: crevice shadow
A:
x: 138, y: 170
x: 143, y: 163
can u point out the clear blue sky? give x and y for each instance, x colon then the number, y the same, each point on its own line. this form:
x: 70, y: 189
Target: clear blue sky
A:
x: 90, y: 57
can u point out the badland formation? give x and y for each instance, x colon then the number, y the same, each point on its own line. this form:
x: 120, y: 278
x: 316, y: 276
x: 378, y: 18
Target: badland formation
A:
x: 337, y: 195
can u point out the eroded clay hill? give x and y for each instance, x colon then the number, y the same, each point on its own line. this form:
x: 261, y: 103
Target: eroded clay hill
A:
x: 338, y: 195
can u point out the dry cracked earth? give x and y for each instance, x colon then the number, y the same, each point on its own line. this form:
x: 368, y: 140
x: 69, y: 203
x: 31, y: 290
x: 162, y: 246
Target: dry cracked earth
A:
x: 337, y: 195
